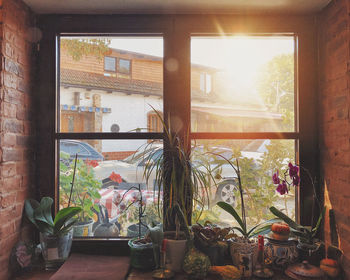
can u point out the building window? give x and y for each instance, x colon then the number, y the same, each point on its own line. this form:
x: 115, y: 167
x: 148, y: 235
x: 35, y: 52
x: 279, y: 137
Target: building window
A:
x: 205, y: 82
x: 234, y: 122
x: 154, y: 123
x: 124, y: 66
x: 110, y: 64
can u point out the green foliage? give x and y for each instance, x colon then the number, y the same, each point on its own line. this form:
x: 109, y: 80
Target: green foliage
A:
x: 304, y: 233
x: 276, y: 86
x: 77, y: 48
x: 247, y: 233
x: 181, y: 179
x: 40, y: 215
x: 85, y: 189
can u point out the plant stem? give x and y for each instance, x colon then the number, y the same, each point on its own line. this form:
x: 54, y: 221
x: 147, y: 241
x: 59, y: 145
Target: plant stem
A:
x: 72, y: 183
x: 285, y: 204
x: 241, y: 193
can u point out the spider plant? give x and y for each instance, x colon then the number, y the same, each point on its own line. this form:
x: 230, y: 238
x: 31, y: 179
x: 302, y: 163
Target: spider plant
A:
x: 182, y: 180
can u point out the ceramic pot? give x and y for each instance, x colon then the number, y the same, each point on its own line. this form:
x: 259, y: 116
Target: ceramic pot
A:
x: 55, y: 249
x: 83, y: 229
x: 133, y: 230
x: 313, y: 253
x: 281, y: 253
x: 244, y: 255
x: 175, y: 252
x: 141, y: 255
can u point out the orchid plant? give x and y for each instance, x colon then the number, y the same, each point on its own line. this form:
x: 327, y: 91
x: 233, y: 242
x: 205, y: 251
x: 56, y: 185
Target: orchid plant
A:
x: 291, y: 178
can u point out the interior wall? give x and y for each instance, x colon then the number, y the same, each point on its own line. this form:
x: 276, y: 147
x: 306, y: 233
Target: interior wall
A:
x: 334, y: 90
x: 16, y: 125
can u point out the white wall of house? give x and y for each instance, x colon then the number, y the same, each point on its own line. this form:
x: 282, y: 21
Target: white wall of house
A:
x: 128, y: 111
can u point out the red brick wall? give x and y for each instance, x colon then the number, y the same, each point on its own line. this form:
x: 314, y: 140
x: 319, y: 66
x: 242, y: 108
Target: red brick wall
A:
x: 16, y: 130
x: 117, y: 155
x: 334, y: 101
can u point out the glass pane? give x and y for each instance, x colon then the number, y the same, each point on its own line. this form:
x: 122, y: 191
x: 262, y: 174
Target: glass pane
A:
x: 242, y: 84
x: 258, y: 159
x: 97, y: 96
x: 107, y: 177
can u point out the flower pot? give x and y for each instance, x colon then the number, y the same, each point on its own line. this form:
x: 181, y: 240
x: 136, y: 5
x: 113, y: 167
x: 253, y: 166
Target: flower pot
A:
x: 83, y: 229
x: 313, y: 253
x: 281, y: 253
x: 55, y: 249
x: 133, y: 230
x: 244, y: 255
x: 141, y: 255
x: 175, y: 251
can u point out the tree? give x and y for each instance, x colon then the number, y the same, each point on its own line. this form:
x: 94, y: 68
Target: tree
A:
x: 276, y: 87
x: 77, y: 48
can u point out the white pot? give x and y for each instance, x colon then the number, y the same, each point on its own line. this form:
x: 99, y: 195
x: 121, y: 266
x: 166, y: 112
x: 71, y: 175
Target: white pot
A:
x: 175, y: 254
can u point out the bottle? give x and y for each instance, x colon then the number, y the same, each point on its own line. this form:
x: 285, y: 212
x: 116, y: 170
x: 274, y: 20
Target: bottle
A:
x: 260, y: 271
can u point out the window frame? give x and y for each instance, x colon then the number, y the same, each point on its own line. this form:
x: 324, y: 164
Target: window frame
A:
x: 118, y: 67
x: 176, y: 31
x: 115, y: 64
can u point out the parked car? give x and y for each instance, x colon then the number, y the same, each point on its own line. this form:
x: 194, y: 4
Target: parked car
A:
x: 83, y: 149
x: 131, y: 170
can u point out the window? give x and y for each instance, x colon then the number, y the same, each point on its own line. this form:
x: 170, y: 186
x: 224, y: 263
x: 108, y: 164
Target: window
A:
x: 205, y: 82
x: 211, y: 125
x: 154, y: 123
x: 110, y: 64
x: 124, y: 66
x: 110, y: 166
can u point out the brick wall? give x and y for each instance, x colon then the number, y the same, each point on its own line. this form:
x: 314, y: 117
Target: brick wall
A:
x: 334, y: 101
x: 16, y: 127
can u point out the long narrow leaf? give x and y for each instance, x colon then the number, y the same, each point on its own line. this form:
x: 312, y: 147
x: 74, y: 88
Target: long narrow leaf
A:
x: 319, y: 221
x: 285, y: 218
x: 64, y: 215
x: 229, y: 209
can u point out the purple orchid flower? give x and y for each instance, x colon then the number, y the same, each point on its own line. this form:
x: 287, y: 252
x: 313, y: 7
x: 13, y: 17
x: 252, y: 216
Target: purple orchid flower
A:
x: 275, y: 178
x: 296, y: 180
x: 293, y: 170
x: 282, y: 188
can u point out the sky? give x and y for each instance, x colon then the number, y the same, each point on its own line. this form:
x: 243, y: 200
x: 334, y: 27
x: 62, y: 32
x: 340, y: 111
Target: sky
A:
x: 241, y: 57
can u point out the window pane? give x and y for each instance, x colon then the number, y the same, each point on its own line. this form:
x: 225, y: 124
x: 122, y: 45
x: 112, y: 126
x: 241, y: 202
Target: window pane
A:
x: 242, y: 84
x: 109, y: 63
x: 258, y: 160
x: 110, y: 170
x: 93, y: 97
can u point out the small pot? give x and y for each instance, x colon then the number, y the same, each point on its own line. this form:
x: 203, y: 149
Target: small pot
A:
x: 281, y: 253
x: 244, y: 255
x: 216, y: 252
x: 313, y: 253
x: 83, y: 229
x: 175, y: 251
x: 141, y: 255
x: 133, y: 230
x: 55, y: 249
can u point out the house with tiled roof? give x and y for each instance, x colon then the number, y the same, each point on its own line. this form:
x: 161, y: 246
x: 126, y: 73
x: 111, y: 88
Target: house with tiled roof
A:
x: 116, y: 93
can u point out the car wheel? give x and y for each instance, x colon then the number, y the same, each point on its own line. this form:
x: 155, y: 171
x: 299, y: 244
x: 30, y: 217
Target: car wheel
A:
x: 225, y: 192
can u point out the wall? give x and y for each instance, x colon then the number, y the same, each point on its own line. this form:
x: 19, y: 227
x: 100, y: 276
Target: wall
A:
x: 334, y: 100
x: 16, y: 130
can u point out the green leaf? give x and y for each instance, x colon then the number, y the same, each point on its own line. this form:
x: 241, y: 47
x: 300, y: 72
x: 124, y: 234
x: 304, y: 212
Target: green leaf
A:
x: 229, y: 209
x: 285, y: 218
x: 30, y: 205
x: 64, y: 215
x: 315, y: 229
x: 241, y: 231
x: 45, y: 205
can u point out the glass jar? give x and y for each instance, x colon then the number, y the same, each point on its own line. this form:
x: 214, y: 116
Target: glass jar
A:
x: 55, y: 249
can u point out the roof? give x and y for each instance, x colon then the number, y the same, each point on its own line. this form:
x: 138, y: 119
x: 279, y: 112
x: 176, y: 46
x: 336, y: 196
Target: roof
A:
x: 90, y: 80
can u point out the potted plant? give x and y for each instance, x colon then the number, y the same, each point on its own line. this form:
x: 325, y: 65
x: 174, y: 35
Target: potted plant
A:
x: 78, y: 187
x: 243, y: 248
x: 212, y: 241
x: 182, y: 181
x: 55, y: 234
x: 306, y: 235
